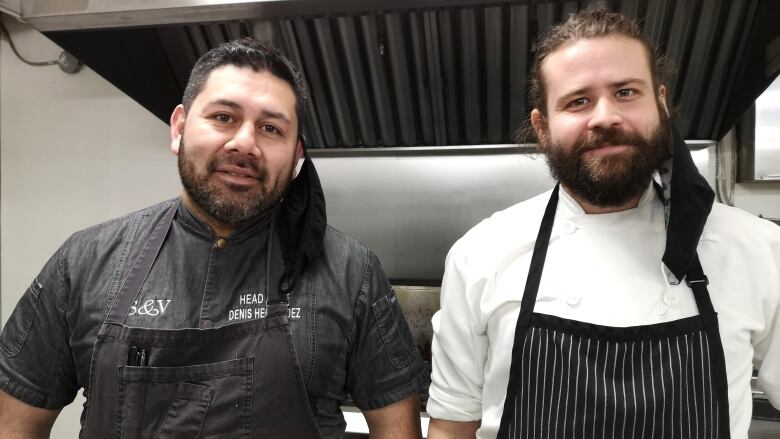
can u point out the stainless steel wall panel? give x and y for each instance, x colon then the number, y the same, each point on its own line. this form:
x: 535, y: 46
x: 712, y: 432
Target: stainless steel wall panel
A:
x: 410, y: 208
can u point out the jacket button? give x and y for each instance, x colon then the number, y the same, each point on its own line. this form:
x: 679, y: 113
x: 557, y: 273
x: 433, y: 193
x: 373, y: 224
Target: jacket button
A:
x: 220, y: 243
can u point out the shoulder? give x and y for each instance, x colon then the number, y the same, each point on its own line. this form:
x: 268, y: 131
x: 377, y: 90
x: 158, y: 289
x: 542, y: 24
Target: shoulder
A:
x: 342, y: 252
x: 110, y: 239
x: 346, y: 264
x: 735, y: 226
x: 120, y: 226
x: 500, y: 235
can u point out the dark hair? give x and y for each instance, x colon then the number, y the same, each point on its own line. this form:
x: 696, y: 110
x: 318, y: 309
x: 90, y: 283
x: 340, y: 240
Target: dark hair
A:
x: 256, y: 55
x: 590, y: 23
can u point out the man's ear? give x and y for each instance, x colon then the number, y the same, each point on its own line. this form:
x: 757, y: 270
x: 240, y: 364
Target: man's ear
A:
x: 538, y: 124
x: 299, y: 150
x: 177, y: 127
x: 662, y: 97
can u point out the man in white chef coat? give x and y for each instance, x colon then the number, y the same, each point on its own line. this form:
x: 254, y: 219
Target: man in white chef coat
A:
x: 624, y: 302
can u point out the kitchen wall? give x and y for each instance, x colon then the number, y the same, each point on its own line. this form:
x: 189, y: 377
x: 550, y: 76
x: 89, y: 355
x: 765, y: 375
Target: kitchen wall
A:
x: 75, y: 151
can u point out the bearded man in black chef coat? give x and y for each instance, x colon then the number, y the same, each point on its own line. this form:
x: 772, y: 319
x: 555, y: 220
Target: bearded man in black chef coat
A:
x: 623, y: 303
x: 233, y: 311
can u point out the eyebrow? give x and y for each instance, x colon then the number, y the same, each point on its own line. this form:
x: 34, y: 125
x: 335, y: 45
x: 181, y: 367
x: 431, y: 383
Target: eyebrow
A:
x: 618, y: 84
x: 265, y: 113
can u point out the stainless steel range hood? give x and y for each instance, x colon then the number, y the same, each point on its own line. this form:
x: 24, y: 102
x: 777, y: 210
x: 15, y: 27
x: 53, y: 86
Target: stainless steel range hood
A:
x: 57, y: 15
x: 417, y: 74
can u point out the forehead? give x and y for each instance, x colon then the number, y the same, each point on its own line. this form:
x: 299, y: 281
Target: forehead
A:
x: 249, y: 89
x: 593, y: 62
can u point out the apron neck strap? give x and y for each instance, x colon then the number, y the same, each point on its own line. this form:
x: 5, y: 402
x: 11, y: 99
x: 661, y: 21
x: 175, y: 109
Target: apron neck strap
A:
x: 538, y: 258
x: 697, y: 281
x: 141, y: 268
x: 274, y: 262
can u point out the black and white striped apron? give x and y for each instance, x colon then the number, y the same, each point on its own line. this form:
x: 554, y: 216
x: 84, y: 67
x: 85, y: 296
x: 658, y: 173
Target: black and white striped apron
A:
x: 570, y: 379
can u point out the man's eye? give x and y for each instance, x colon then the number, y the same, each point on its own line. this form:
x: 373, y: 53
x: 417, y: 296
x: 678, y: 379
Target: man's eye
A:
x: 626, y: 92
x: 224, y: 118
x: 270, y: 129
x: 579, y: 102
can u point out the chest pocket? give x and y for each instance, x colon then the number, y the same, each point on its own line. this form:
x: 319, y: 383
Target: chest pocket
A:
x: 200, y: 401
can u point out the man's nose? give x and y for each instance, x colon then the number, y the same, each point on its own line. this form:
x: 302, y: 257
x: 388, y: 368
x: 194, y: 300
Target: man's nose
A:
x: 244, y: 140
x: 605, y: 115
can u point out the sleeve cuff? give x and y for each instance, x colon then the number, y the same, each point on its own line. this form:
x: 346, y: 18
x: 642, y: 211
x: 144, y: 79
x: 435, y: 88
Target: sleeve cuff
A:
x: 442, y: 405
x: 415, y: 385
x: 30, y: 396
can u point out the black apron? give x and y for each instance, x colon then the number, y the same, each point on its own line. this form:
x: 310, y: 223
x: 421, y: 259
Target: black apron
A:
x: 239, y: 381
x: 570, y: 379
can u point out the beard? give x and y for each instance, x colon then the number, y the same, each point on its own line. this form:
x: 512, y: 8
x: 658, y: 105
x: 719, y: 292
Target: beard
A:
x: 614, y: 179
x: 229, y: 204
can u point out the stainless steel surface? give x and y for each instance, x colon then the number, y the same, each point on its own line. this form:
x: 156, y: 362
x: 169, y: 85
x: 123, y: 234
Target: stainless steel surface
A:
x: 428, y: 150
x: 56, y: 15
x: 767, y: 139
x: 410, y: 209
x: 760, y: 429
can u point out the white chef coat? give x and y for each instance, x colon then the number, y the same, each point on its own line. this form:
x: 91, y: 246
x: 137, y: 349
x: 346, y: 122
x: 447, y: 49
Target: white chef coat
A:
x: 603, y: 269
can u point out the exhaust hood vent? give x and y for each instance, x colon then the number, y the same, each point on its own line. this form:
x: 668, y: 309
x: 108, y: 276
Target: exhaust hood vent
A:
x: 428, y: 76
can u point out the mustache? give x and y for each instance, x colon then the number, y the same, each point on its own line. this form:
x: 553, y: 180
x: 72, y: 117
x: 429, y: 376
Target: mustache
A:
x: 239, y: 161
x: 610, y: 136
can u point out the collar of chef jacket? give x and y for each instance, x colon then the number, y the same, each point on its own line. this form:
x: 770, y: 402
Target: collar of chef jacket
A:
x: 690, y: 201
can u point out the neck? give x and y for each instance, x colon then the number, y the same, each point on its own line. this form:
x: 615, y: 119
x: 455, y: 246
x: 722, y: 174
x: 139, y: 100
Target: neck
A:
x: 594, y: 209
x: 220, y: 229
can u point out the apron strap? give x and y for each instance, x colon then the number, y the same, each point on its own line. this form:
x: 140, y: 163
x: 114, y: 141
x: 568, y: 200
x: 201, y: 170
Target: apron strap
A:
x: 141, y: 268
x: 697, y: 281
x: 274, y: 263
x: 537, y: 261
